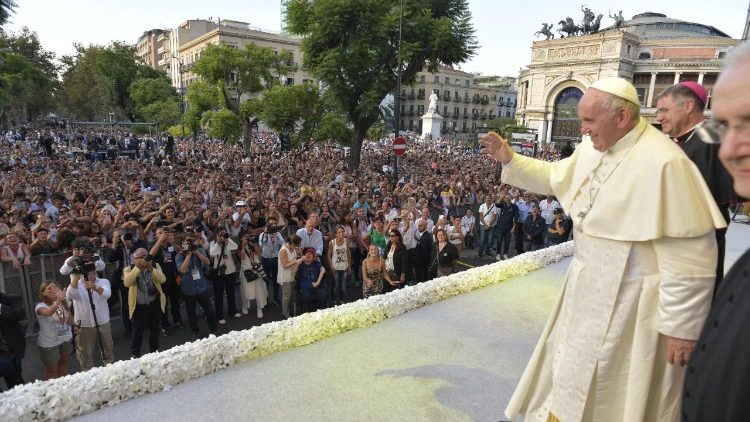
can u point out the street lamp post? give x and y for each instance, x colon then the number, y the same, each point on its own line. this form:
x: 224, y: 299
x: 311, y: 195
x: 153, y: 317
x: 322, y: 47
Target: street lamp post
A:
x: 397, y: 98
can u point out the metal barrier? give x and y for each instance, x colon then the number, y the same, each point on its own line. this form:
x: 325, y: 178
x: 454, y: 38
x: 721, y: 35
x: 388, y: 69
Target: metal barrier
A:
x: 25, y: 282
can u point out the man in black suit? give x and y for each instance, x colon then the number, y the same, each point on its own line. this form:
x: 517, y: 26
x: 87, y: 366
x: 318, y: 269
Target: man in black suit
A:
x: 422, y: 251
x: 717, y: 384
x: 12, y: 340
x: 679, y: 110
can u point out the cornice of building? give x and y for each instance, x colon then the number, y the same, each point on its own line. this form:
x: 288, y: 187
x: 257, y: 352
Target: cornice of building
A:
x: 237, y: 33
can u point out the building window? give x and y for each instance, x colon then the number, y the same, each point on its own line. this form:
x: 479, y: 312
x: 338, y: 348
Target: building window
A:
x: 507, y: 114
x: 468, y: 83
x: 421, y: 79
x: 641, y: 95
x: 289, y: 81
x: 644, y: 56
x: 437, y: 79
x: 447, y: 80
x: 722, y: 54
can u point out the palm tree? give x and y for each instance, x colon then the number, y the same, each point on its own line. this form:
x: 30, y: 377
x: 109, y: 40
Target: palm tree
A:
x: 7, y: 7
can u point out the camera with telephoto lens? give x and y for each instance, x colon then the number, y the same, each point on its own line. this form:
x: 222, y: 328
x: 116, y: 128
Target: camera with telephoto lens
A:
x: 188, y: 245
x: 81, y: 267
x: 271, y: 228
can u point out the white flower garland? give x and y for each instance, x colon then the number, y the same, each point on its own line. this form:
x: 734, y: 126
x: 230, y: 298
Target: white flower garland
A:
x: 84, y: 392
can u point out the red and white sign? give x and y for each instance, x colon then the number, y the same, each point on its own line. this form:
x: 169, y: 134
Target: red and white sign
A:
x: 399, y: 146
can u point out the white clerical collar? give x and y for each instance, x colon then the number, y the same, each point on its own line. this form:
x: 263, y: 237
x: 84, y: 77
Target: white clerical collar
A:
x: 627, y: 141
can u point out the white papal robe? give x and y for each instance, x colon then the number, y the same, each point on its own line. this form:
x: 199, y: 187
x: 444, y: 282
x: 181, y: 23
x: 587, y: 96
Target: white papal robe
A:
x: 644, y: 267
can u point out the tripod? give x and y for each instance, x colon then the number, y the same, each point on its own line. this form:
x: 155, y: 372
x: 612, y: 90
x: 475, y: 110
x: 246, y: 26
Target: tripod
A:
x: 96, y: 322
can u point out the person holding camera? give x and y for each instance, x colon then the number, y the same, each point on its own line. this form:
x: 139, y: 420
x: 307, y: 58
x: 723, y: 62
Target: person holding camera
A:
x: 223, y: 273
x: 164, y: 253
x: 146, y: 300
x: 89, y: 294
x: 270, y: 242
x: 191, y: 263
x: 252, y: 283
x: 55, y: 320
x: 123, y: 247
x: 560, y: 229
x: 82, y: 251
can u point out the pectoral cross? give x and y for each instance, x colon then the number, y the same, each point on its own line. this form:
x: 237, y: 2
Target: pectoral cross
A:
x: 581, y: 215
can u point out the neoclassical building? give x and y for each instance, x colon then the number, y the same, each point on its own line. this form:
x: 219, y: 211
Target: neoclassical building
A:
x: 651, y: 50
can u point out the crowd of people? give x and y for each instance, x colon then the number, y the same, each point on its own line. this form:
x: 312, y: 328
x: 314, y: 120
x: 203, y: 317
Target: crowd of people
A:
x: 160, y: 222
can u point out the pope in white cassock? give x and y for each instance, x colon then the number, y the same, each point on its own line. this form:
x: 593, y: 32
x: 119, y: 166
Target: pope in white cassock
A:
x: 639, y: 286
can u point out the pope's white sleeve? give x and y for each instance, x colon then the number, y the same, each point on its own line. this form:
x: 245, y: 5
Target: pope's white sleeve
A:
x: 528, y: 173
x: 687, y: 267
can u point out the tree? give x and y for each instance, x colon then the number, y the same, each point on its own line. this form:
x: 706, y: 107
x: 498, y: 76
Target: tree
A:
x: 7, y: 7
x: 96, y: 81
x: 301, y: 112
x: 155, y: 100
x: 222, y: 124
x: 201, y: 98
x: 26, y: 43
x: 351, y: 47
x: 24, y: 88
x: 241, y: 72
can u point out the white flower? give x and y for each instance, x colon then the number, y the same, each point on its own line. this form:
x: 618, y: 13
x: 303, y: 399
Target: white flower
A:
x: 124, y: 380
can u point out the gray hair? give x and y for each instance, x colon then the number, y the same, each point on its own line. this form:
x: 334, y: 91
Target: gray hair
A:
x: 739, y: 53
x: 681, y: 93
x: 613, y: 104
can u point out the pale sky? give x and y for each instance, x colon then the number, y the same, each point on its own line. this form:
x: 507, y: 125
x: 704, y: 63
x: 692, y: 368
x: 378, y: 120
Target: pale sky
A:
x: 504, y: 29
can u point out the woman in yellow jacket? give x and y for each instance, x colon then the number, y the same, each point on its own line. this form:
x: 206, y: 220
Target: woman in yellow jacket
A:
x: 146, y: 300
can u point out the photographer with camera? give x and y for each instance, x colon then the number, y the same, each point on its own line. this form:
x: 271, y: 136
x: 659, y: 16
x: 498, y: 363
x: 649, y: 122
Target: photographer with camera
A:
x: 270, y: 242
x: 223, y: 273
x: 191, y: 262
x: 123, y: 247
x: 82, y: 251
x: 146, y: 300
x: 252, y: 276
x: 164, y: 253
x: 89, y: 294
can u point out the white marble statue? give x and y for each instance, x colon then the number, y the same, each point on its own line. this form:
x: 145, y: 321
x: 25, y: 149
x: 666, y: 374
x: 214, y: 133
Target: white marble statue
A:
x: 433, y: 103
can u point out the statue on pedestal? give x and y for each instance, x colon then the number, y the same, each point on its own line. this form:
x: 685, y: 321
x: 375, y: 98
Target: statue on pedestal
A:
x: 432, y: 108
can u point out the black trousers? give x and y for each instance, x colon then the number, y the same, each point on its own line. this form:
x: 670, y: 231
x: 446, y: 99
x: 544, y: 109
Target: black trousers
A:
x: 228, y: 283
x: 420, y: 272
x: 146, y: 316
x: 503, y: 240
x: 519, y: 238
x: 271, y: 268
x: 125, y: 307
x: 204, y: 300
x: 172, y: 291
x: 721, y: 242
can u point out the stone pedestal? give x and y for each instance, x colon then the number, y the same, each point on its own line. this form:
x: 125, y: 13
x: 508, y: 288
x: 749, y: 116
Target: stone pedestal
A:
x: 432, y: 124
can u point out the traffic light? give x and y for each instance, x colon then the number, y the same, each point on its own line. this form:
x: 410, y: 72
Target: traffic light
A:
x: 286, y: 143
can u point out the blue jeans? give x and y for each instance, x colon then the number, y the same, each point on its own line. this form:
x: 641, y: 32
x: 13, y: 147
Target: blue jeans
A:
x: 307, y: 296
x: 485, y: 239
x: 339, y: 284
x: 503, y: 240
x: 204, y: 300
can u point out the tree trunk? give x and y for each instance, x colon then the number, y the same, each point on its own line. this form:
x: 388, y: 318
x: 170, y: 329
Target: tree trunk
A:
x: 246, y: 135
x: 356, y: 146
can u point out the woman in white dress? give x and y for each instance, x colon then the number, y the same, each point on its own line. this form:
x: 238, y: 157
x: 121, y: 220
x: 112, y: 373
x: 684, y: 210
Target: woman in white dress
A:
x: 250, y: 267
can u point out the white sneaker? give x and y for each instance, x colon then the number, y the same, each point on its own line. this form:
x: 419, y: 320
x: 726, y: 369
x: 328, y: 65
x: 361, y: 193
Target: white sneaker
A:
x: 237, y: 315
x: 505, y: 256
x: 244, y: 311
x: 260, y: 313
x: 497, y: 257
x: 222, y: 321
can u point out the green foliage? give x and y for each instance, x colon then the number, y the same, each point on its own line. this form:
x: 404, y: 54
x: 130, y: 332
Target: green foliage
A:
x: 237, y: 72
x: 177, y: 131
x: 201, y: 97
x: 142, y: 129
x: 7, y: 7
x: 234, y: 73
x: 27, y: 78
x: 24, y: 88
x: 97, y: 79
x: 300, y: 111
x: 501, y: 123
x: 351, y: 46
x: 145, y: 91
x: 164, y: 113
x: 222, y: 124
